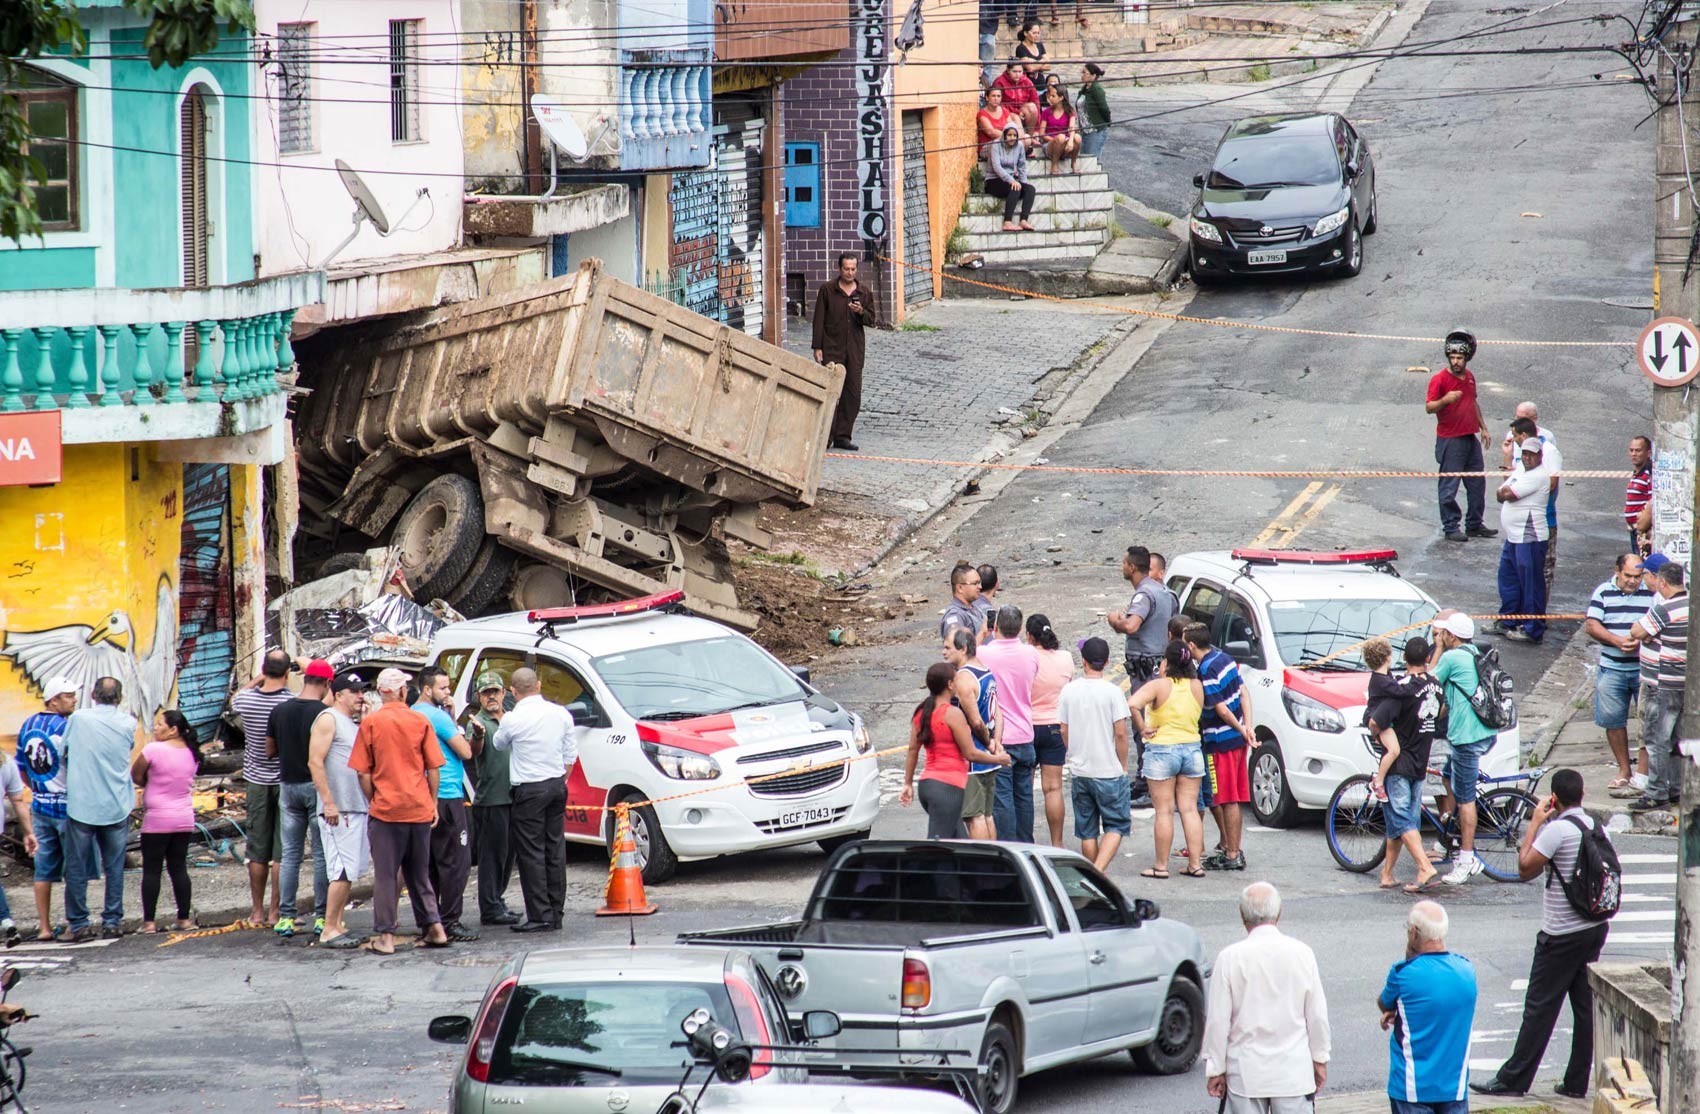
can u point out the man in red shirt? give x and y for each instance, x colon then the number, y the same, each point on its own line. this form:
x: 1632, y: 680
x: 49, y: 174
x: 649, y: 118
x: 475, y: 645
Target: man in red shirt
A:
x: 1640, y: 491
x: 1461, y: 436
x: 1019, y: 96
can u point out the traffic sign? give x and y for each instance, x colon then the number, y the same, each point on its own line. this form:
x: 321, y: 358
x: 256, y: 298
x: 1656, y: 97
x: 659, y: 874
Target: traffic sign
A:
x: 1669, y: 351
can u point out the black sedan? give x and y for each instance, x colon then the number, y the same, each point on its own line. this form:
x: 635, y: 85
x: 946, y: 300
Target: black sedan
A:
x: 1284, y: 194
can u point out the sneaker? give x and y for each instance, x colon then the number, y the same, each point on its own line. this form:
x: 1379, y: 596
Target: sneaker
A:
x: 285, y: 926
x: 11, y: 930
x: 318, y: 926
x: 84, y: 935
x: 1141, y: 802
x: 1439, y: 852
x: 1482, y: 532
x: 1464, y: 870
x: 459, y: 932
x: 1648, y: 804
x: 111, y: 932
x: 1517, y: 634
x: 1221, y: 860
x: 1456, y: 536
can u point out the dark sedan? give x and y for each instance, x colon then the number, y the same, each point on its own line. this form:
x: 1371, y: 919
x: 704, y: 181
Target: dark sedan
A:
x: 1284, y: 194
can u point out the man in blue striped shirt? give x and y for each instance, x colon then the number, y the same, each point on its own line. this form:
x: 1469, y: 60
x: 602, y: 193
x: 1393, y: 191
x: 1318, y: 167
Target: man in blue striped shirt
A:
x: 1612, y: 610
x: 1225, y: 729
x: 1426, y: 1007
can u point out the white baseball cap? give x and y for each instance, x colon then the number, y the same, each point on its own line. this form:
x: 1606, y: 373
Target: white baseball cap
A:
x: 391, y: 680
x: 1536, y: 445
x: 59, y: 686
x: 1457, y: 624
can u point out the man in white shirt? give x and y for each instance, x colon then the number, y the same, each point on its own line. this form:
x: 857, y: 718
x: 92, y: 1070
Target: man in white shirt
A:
x: 1266, y: 1041
x: 1094, y: 718
x: 539, y: 736
x: 1523, y: 554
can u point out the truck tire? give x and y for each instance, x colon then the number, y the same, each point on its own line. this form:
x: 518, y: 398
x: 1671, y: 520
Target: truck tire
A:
x: 1001, y: 1059
x: 438, y: 535
x: 654, y: 855
x: 1180, y: 1032
x: 486, y: 581
x: 833, y: 843
x: 342, y: 562
x: 1271, y: 798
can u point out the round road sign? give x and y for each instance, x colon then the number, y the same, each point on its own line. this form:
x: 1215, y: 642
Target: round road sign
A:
x: 1669, y: 351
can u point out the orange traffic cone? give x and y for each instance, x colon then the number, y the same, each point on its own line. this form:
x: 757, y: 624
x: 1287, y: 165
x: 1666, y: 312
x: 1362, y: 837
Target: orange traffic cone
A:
x: 624, y: 896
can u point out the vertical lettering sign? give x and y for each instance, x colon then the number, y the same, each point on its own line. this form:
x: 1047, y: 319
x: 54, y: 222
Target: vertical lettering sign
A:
x: 873, y: 77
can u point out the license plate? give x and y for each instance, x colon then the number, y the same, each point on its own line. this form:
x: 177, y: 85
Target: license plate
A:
x: 1257, y: 257
x: 798, y: 817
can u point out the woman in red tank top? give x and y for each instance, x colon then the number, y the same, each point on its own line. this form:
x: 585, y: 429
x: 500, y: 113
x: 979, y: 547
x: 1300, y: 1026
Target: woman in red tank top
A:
x: 940, y: 728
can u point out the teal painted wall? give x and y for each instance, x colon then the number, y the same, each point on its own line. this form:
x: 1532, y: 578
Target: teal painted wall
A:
x: 47, y: 269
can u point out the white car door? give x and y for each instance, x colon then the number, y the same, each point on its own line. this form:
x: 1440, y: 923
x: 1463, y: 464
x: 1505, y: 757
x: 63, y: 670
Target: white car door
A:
x: 1053, y: 972
x: 1126, y: 985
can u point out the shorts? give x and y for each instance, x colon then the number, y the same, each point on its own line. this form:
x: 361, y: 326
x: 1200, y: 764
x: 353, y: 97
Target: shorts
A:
x: 1614, y: 692
x: 1048, y: 748
x: 50, y: 833
x: 1228, y: 774
x: 1403, y: 811
x: 265, y: 837
x: 977, y: 795
x: 1101, y: 805
x: 1464, y: 767
x: 348, y: 855
x: 1167, y: 760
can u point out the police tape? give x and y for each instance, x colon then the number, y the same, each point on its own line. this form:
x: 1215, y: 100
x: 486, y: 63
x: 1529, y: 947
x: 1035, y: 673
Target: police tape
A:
x: 1224, y: 323
x: 203, y: 933
x: 1229, y: 473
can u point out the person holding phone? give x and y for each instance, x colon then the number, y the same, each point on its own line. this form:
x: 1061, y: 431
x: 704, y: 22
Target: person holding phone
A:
x: 842, y: 314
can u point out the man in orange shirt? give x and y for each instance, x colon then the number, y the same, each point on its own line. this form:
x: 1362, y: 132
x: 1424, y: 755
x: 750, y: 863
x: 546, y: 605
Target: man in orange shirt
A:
x: 396, y: 756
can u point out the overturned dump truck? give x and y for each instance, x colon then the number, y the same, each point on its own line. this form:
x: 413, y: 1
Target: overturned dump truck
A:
x: 577, y: 441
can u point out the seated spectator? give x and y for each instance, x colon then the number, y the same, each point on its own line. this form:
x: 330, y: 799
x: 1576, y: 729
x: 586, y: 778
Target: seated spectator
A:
x: 1062, y: 136
x: 1019, y: 96
x: 1094, y: 110
x: 993, y: 119
x: 1030, y: 52
x: 1007, y: 162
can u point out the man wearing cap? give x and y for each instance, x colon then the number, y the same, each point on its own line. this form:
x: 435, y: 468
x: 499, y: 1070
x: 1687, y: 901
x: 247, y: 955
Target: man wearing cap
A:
x: 41, y: 758
x: 289, y: 733
x: 539, y: 735
x: 1667, y: 622
x: 1466, y: 735
x: 253, y: 706
x: 1523, y: 555
x: 396, y: 757
x: 342, y: 806
x: 492, y: 803
x: 1460, y: 438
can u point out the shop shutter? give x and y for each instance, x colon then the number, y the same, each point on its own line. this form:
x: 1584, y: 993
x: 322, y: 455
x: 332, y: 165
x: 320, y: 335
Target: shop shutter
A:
x: 917, y: 229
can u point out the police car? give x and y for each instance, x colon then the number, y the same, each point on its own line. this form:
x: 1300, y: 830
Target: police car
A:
x: 1276, y: 611
x: 666, y: 704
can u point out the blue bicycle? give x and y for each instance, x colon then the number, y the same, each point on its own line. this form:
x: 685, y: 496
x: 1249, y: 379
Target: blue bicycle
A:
x: 1357, y: 831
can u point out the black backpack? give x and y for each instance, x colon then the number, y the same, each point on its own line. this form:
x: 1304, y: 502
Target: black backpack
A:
x: 1492, y: 701
x: 1595, y: 890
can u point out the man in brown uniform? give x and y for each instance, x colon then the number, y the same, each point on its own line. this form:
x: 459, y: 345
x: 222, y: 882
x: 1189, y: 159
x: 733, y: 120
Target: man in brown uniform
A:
x: 841, y: 315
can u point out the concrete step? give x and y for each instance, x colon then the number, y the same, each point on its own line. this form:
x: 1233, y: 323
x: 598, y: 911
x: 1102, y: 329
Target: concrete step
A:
x: 1046, y: 222
x: 987, y: 232
x: 1008, y: 248
x: 1047, y: 201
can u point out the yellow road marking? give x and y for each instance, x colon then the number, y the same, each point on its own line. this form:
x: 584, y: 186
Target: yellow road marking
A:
x: 1295, y: 516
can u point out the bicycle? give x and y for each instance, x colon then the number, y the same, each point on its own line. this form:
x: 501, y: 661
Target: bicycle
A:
x: 12, y: 1065
x: 1357, y: 829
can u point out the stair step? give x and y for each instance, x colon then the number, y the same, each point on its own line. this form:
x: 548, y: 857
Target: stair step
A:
x: 1071, y: 204
x: 1004, y: 257
x: 1047, y: 223
x: 1087, y: 181
x: 998, y: 241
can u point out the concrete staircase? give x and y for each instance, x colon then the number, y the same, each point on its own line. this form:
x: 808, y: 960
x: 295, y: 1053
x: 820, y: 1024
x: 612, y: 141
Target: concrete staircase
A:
x: 1071, y: 219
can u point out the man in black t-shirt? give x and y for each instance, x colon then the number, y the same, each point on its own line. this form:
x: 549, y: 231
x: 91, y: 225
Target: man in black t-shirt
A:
x: 1408, y: 707
x: 289, y: 731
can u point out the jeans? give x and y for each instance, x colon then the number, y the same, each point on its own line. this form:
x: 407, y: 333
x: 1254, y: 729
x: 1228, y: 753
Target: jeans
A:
x: 1614, y: 692
x: 1660, y: 714
x: 1523, y: 586
x: 1403, y: 811
x: 1012, y: 802
x: 1092, y: 141
x: 1559, y: 971
x: 1460, y: 454
x: 298, y: 804
x: 90, y: 844
x: 1401, y: 1106
x: 988, y: 51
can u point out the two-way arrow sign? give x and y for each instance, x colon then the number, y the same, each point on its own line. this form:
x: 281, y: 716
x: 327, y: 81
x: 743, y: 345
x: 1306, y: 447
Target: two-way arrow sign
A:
x: 1669, y: 351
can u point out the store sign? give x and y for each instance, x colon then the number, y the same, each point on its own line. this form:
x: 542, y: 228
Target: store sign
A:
x: 873, y: 76
x: 30, y: 450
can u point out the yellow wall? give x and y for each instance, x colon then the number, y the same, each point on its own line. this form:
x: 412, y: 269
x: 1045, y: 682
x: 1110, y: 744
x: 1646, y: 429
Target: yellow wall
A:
x: 949, y: 96
x: 80, y: 557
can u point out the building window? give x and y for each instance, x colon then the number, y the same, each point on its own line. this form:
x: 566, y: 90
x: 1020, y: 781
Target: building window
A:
x: 404, y: 81
x: 50, y: 109
x: 294, y: 88
x: 802, y: 185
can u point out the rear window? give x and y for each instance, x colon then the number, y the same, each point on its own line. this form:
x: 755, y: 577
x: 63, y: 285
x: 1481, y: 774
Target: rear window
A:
x: 919, y: 885
x: 558, y: 1034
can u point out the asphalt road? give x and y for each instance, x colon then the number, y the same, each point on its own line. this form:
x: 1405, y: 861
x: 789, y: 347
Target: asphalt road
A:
x: 243, y: 1022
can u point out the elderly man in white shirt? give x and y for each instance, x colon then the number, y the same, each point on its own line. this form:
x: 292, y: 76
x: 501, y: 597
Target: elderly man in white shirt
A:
x: 1266, y: 1040
x: 1522, y: 557
x: 539, y: 736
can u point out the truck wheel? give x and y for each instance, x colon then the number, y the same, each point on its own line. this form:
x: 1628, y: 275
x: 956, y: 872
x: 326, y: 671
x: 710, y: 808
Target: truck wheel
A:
x: 1271, y: 800
x: 438, y: 535
x: 485, y: 581
x: 654, y: 855
x: 342, y: 562
x: 1002, y: 1069
x: 833, y: 843
x: 1180, y: 1032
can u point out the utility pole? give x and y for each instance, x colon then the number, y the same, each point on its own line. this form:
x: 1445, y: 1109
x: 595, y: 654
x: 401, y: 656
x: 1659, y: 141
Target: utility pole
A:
x: 1676, y: 293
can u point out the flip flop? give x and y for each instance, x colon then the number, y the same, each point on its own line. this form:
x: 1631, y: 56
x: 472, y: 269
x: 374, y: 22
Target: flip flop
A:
x: 1423, y: 887
x: 1389, y: 885
x: 1618, y: 783
x: 427, y: 942
x: 1195, y: 872
x: 1153, y: 872
x: 346, y: 942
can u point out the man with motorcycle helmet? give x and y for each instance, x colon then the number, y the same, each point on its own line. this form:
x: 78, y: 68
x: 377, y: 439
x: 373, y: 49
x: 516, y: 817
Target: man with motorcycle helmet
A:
x: 1461, y: 437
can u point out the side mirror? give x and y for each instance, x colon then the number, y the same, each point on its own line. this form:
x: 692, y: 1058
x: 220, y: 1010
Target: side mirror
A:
x: 1198, y: 181
x: 820, y: 1024
x: 1352, y: 170
x: 451, y: 1029
x: 1237, y: 649
x: 802, y: 672
x: 1145, y: 909
x: 584, y: 714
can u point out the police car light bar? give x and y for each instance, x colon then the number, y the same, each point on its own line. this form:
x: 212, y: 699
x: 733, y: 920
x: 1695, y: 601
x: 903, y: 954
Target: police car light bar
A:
x: 657, y: 602
x: 1306, y: 557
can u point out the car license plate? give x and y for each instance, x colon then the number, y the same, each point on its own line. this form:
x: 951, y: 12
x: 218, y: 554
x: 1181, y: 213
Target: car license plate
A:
x: 1257, y: 257
x: 801, y: 816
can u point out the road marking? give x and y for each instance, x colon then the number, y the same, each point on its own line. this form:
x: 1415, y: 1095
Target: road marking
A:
x: 59, y: 945
x: 1644, y: 915
x: 1519, y: 984
x: 1650, y: 879
x: 1645, y: 898
x: 1295, y: 516
x: 1665, y: 938
x: 1651, y: 857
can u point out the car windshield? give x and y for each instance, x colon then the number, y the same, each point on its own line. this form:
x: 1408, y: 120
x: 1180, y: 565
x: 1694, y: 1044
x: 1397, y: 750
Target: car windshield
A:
x: 601, y: 1034
x: 702, y: 678
x: 1309, y: 630
x: 1268, y: 161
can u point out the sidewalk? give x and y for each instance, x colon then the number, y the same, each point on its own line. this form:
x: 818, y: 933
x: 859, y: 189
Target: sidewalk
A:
x: 1375, y: 1102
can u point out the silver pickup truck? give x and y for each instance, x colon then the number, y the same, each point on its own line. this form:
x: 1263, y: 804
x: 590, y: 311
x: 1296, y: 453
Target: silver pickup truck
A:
x: 1025, y: 953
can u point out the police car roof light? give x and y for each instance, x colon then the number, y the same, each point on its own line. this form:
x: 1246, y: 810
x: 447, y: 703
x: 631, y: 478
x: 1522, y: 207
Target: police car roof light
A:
x: 1309, y: 557
x: 659, y: 601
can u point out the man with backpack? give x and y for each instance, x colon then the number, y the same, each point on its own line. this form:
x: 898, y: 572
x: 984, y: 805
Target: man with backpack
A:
x: 1583, y: 889
x: 1470, y: 706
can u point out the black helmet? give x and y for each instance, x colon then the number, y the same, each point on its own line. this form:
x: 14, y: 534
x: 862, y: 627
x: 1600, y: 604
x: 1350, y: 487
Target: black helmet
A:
x: 1460, y: 341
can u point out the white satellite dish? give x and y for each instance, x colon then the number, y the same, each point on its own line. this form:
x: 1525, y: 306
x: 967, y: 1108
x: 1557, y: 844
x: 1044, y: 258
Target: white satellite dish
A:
x: 558, y: 124
x: 364, y: 198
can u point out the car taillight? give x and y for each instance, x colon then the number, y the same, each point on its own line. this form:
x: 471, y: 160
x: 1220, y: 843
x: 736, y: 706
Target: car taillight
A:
x: 483, y: 1047
x: 752, y: 1021
x: 917, y: 985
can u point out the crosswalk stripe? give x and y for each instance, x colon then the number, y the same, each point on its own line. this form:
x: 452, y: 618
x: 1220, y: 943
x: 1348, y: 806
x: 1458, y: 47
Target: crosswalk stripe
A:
x: 1637, y: 858
x: 1649, y: 879
x: 1629, y: 899
x: 1640, y: 938
x: 1627, y: 916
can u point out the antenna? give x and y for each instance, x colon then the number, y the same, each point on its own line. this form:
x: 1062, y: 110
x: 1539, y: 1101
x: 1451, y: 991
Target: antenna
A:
x: 558, y: 124
x: 366, y: 208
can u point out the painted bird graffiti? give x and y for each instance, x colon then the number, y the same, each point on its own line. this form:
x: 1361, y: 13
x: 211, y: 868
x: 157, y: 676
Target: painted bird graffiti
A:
x: 85, y: 654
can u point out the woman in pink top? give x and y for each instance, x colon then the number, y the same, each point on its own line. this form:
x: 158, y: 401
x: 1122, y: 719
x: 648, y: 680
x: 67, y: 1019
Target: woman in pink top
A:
x: 166, y: 771
x: 940, y: 729
x: 1056, y: 669
x: 1056, y: 125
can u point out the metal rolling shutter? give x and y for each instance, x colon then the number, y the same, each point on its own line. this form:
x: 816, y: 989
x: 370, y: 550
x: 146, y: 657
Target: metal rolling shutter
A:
x: 741, y: 248
x: 206, y: 648
x: 917, y: 229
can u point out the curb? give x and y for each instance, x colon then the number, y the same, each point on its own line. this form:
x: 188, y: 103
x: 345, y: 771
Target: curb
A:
x: 1556, y: 698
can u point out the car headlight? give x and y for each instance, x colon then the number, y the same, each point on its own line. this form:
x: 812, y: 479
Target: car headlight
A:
x: 1312, y: 715
x: 1333, y: 222
x: 859, y: 734
x: 1204, y: 230
x: 685, y: 765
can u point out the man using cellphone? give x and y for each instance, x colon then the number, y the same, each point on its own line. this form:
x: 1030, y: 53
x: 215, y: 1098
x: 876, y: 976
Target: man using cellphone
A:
x: 842, y: 314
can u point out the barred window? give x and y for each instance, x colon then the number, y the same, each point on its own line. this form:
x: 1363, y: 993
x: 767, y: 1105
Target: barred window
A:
x: 49, y: 108
x: 404, y: 81
x: 294, y: 88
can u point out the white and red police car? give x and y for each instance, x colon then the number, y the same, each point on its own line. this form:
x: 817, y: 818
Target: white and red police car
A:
x: 1274, y: 611
x: 665, y: 703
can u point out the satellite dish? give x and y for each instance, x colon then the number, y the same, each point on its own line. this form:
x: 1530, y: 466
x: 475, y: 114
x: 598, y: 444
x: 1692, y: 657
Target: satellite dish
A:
x: 559, y: 125
x: 364, y: 199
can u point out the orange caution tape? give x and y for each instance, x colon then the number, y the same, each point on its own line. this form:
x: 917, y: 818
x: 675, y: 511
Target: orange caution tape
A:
x: 1291, y: 474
